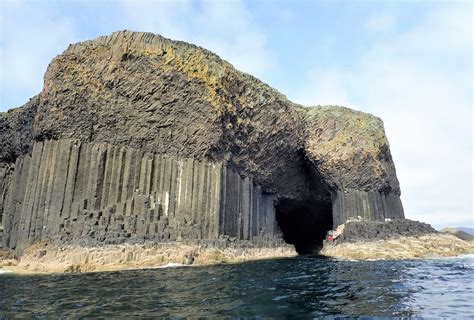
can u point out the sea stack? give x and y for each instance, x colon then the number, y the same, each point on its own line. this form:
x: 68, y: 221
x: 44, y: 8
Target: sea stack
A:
x: 135, y: 137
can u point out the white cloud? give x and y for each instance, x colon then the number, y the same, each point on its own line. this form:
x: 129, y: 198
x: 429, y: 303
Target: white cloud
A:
x: 381, y: 22
x: 168, y: 18
x: 329, y: 86
x: 225, y: 28
x: 420, y: 82
x: 31, y: 35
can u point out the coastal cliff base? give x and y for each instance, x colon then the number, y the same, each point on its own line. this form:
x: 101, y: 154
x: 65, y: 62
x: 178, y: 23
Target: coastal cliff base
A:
x: 51, y: 258
x: 413, y: 247
x: 47, y: 257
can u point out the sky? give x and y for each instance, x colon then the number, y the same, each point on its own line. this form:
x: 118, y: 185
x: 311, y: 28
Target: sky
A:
x: 410, y: 63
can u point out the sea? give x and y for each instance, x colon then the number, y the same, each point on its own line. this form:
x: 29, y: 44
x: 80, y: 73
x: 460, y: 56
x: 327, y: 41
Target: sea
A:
x: 303, y: 287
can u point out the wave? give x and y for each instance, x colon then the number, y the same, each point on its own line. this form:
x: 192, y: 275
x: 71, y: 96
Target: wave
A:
x: 171, y: 265
x: 467, y: 256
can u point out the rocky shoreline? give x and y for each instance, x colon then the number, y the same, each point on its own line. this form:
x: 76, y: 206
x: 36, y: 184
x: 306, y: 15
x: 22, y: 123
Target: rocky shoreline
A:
x: 45, y: 258
x: 431, y: 245
x: 52, y: 258
x: 392, y: 240
x: 359, y: 230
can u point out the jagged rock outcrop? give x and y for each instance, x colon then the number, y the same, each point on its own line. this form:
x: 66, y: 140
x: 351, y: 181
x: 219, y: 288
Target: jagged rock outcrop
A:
x: 316, y: 167
x: 16, y: 131
x: 359, y: 231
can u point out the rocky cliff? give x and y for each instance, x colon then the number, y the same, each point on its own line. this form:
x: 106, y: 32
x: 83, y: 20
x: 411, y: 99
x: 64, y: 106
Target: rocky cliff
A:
x: 112, y: 109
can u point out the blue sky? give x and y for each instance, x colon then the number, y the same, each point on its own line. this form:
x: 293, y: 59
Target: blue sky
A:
x: 411, y: 63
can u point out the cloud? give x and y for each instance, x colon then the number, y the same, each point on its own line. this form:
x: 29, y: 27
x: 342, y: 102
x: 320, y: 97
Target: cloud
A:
x: 31, y: 35
x: 381, y: 22
x: 225, y: 28
x: 168, y: 18
x: 419, y: 82
x: 328, y: 86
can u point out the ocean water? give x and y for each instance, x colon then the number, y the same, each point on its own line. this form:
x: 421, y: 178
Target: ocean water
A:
x: 301, y: 287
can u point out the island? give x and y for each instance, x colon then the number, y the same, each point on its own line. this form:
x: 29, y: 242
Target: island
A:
x: 142, y: 151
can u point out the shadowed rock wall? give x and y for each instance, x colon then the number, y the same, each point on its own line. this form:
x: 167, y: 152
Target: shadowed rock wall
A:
x: 6, y: 171
x: 111, y: 193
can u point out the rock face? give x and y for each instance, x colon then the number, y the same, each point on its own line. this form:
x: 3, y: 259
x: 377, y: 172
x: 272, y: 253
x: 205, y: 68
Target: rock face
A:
x: 351, y: 153
x: 68, y: 190
x: 116, y: 110
x: 361, y: 231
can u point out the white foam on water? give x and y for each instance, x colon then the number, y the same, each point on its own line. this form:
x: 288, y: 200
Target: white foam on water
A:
x: 171, y: 265
x: 4, y: 271
x: 468, y: 256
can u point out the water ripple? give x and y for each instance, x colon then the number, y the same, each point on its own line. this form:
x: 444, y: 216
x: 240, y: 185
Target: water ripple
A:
x: 303, y: 287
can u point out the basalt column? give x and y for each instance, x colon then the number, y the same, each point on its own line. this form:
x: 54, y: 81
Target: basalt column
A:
x: 6, y: 171
x: 84, y: 192
x: 367, y: 205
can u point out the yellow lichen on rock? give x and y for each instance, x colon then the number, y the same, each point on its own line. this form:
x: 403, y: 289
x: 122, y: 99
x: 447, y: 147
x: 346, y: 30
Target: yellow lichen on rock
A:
x: 345, y: 139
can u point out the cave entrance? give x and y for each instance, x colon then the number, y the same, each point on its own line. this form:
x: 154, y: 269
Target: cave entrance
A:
x: 304, y: 225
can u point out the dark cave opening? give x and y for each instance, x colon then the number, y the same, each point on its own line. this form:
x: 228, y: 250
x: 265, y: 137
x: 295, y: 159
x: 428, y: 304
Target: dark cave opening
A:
x: 304, y: 226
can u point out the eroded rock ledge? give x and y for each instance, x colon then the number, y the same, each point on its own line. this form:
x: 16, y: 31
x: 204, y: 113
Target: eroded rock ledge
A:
x: 66, y: 258
x: 353, y: 231
x: 431, y: 245
x: 135, y: 136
